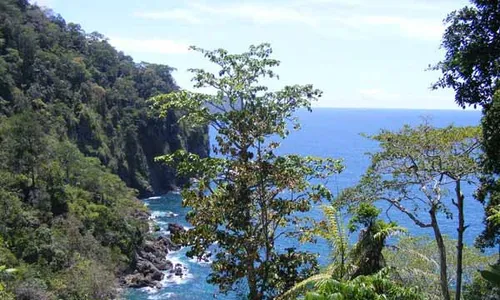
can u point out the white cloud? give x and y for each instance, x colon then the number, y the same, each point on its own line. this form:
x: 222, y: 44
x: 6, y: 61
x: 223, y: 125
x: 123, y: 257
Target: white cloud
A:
x: 161, y: 46
x: 178, y: 14
x: 417, y: 28
x: 257, y: 13
x: 352, y: 19
x: 260, y: 13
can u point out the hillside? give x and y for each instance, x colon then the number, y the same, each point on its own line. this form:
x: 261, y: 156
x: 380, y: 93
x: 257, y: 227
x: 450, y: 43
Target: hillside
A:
x: 77, y: 146
x: 90, y: 94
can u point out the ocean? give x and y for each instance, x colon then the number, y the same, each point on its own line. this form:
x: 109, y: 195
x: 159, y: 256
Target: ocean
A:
x: 326, y: 132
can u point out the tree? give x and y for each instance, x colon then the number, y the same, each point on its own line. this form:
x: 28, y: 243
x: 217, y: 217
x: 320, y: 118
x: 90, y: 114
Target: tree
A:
x: 472, y: 44
x: 412, y: 173
x: 246, y: 197
x: 348, y: 262
x: 416, y: 261
x: 367, y: 254
x: 471, y: 68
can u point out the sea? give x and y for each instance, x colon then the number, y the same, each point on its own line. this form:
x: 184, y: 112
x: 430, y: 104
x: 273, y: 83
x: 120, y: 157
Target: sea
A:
x: 325, y: 132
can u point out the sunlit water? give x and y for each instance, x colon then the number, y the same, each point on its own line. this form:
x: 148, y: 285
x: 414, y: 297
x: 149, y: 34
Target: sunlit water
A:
x: 325, y: 133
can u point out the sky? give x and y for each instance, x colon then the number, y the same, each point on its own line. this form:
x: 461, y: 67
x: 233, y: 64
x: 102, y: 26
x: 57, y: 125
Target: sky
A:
x: 360, y: 53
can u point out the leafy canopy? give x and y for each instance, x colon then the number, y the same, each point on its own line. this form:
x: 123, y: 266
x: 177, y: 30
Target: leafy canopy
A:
x: 247, y: 196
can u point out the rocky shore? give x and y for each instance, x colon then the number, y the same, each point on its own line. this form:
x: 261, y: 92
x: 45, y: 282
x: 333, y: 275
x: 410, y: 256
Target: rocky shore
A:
x: 151, y: 261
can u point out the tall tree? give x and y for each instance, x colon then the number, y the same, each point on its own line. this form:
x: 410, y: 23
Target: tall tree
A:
x: 412, y: 173
x: 246, y: 197
x: 472, y: 68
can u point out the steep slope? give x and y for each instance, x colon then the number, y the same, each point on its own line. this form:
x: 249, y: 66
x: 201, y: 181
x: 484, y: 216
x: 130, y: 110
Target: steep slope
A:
x: 95, y: 95
x: 76, y: 138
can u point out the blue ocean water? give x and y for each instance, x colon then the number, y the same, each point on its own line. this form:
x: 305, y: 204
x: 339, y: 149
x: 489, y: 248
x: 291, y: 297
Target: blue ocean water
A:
x: 326, y: 133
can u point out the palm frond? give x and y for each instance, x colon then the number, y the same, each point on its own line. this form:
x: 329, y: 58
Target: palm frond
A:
x: 302, y: 286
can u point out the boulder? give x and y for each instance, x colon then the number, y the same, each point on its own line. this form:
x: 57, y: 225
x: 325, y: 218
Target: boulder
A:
x: 167, y: 242
x: 138, y: 280
x: 178, y: 270
x: 149, y: 271
x: 175, y: 229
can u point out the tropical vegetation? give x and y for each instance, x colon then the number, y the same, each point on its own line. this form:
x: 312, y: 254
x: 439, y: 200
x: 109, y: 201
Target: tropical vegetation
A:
x: 85, y: 131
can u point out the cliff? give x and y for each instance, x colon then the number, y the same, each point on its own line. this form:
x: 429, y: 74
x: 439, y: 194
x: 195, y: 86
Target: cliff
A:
x: 90, y: 93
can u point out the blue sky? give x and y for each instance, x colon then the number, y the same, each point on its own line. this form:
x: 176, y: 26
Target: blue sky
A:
x: 361, y: 53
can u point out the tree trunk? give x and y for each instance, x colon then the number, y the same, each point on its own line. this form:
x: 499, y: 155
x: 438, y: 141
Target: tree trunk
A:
x: 443, y: 272
x: 252, y: 281
x: 460, y: 244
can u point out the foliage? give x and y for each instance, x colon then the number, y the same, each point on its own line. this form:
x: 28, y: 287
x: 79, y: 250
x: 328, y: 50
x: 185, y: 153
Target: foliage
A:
x: 471, y: 68
x: 416, y: 262
x: 75, y: 131
x: 332, y: 229
x: 63, y: 216
x: 471, y: 41
x: 482, y: 288
x: 247, y: 196
x: 348, y: 262
x: 492, y: 275
x: 367, y: 253
x: 412, y: 172
x: 372, y: 287
x: 85, y: 90
x: 489, y: 192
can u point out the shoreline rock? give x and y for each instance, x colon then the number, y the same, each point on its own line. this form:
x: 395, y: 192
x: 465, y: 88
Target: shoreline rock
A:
x: 151, y: 260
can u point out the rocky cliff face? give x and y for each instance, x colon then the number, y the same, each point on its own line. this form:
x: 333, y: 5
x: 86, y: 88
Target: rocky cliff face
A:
x: 160, y: 136
x: 90, y: 93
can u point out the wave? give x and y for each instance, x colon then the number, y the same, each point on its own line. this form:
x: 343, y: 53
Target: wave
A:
x: 202, y: 262
x: 170, y: 277
x: 153, y: 198
x: 163, y: 214
x: 160, y: 296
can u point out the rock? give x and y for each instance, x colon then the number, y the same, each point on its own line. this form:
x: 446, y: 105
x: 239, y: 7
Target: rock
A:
x: 155, y: 247
x: 178, y: 271
x: 149, y: 271
x: 163, y: 264
x: 138, y: 280
x: 159, y: 262
x: 168, y: 243
x: 151, y: 261
x: 175, y: 229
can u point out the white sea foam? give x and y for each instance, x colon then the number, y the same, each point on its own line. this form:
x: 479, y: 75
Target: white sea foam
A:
x: 155, y: 214
x: 150, y: 290
x: 153, y: 198
x: 170, y: 214
x: 161, y: 223
x: 161, y: 296
x: 170, y: 277
x: 206, y: 261
x: 161, y: 214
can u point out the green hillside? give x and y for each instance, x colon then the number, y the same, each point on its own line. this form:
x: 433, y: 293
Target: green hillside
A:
x: 77, y: 141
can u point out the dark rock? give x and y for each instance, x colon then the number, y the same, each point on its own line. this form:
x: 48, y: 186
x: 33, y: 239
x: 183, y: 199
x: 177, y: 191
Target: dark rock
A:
x: 138, y: 280
x: 175, y: 229
x: 168, y: 137
x: 149, y: 271
x: 167, y: 242
x: 178, y: 270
